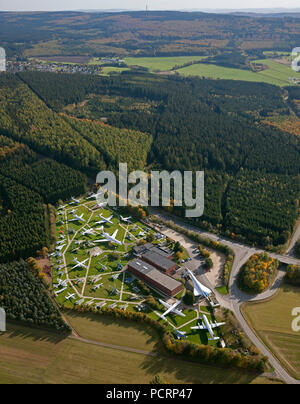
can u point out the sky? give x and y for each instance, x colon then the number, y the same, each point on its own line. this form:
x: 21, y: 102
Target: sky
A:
x: 51, y: 5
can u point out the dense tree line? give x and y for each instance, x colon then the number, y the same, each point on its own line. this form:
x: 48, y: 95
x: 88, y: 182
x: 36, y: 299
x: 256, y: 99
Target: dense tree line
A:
x: 293, y: 275
x: 258, y: 273
x: 24, y: 298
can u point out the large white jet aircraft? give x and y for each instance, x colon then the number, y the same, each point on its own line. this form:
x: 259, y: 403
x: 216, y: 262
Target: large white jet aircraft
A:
x: 80, y: 264
x: 199, y: 289
x: 77, y: 218
x: 126, y: 219
x: 209, y: 327
x: 170, y: 309
x: 105, y: 220
x: 108, y: 238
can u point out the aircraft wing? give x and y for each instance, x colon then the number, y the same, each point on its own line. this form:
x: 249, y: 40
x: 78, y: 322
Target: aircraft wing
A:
x: 115, y: 234
x: 101, y: 241
x: 199, y: 327
x: 216, y: 325
x: 179, y: 313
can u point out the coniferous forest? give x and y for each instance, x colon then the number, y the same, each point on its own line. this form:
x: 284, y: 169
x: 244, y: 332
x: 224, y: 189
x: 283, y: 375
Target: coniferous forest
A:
x: 53, y: 134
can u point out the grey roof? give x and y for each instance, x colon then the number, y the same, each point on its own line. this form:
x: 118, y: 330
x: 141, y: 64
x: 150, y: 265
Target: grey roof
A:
x: 143, y: 249
x: 152, y: 273
x: 158, y: 259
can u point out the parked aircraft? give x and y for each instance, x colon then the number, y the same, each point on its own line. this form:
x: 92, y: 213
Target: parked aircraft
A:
x: 105, y: 220
x: 199, y: 289
x: 209, y: 327
x: 60, y: 247
x: 126, y: 219
x: 75, y: 201
x: 77, y: 218
x: 90, y: 232
x: 70, y: 296
x: 170, y: 309
x: 108, y: 238
x: 180, y: 334
x: 80, y: 264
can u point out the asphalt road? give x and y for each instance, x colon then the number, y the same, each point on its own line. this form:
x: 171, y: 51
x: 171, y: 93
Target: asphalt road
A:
x: 236, y: 297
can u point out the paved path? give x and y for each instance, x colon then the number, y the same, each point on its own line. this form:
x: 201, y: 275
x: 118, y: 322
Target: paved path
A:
x: 236, y: 297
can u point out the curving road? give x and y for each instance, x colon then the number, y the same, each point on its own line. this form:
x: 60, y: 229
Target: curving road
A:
x: 236, y: 297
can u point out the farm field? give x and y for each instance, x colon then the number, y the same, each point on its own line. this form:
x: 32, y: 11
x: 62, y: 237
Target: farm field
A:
x: 277, y: 74
x: 161, y: 63
x: 272, y: 321
x: 35, y: 356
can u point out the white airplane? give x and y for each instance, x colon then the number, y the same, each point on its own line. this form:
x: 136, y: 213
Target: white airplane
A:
x: 77, y: 218
x: 61, y: 242
x: 75, y: 201
x: 170, y: 309
x: 80, y: 264
x: 70, y: 296
x: 141, y: 234
x: 180, y: 334
x: 61, y: 207
x: 209, y: 327
x: 60, y: 282
x: 60, y: 247
x: 96, y: 287
x: 199, y: 289
x: 108, y: 238
x: 115, y: 277
x: 105, y: 220
x: 99, y: 206
x: 57, y: 292
x: 88, y: 231
x: 92, y: 196
x: 126, y: 219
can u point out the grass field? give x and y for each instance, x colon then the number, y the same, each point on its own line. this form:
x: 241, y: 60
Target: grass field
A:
x: 34, y: 356
x: 272, y: 321
x: 161, y: 63
x: 277, y: 74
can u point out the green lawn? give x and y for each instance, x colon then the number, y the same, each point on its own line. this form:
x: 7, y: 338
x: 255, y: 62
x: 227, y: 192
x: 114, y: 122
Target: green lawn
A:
x: 277, y: 74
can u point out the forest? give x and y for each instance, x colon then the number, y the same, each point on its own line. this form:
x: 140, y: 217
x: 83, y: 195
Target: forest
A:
x: 152, y: 33
x: 25, y: 299
x: 252, y: 182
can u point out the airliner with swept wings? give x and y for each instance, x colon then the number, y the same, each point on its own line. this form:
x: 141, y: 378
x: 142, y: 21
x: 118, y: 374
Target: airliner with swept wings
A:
x: 80, y: 264
x: 105, y: 219
x: 77, y: 218
x: 170, y: 309
x: 108, y: 238
x: 126, y: 219
x: 209, y: 327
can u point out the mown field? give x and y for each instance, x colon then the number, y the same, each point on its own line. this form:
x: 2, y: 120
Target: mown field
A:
x: 161, y: 63
x: 272, y: 320
x: 276, y: 74
x: 35, y: 356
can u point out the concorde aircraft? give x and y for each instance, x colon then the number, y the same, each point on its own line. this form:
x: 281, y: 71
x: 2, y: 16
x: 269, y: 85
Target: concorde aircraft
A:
x: 108, y: 238
x: 80, y: 264
x: 105, y: 220
x: 209, y: 327
x: 199, y: 289
x: 170, y: 309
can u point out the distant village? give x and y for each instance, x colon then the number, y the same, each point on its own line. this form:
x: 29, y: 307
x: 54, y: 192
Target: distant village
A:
x: 59, y: 67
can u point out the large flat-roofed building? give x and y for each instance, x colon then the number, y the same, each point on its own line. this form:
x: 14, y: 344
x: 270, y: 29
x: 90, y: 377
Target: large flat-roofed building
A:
x: 160, y: 262
x: 150, y: 275
x: 140, y: 250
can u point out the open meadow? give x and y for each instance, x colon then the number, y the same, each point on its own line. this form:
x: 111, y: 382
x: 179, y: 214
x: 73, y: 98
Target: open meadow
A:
x: 272, y: 321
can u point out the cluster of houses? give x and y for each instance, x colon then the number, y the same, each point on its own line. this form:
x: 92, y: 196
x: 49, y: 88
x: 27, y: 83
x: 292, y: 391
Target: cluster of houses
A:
x: 33, y: 65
